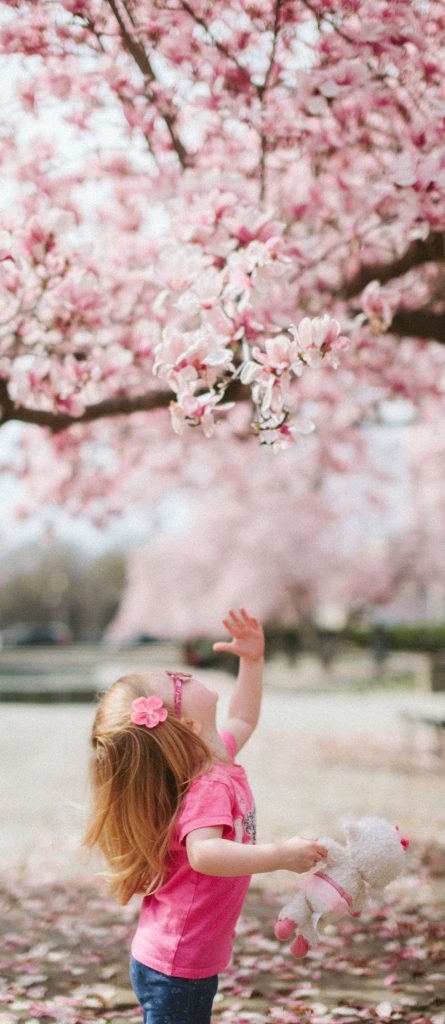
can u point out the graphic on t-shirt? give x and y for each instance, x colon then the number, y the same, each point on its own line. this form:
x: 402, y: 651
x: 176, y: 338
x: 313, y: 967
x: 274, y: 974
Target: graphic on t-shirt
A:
x: 245, y: 828
x: 244, y: 823
x: 250, y: 824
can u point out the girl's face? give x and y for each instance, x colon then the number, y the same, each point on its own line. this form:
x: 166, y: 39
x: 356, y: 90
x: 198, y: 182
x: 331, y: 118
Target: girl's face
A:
x: 192, y: 698
x: 198, y: 702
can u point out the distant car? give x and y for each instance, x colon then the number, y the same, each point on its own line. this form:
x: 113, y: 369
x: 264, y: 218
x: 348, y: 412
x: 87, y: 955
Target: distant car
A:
x: 144, y: 638
x: 24, y: 634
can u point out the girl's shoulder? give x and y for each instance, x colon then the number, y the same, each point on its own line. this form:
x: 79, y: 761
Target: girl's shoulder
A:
x: 216, y: 774
x: 220, y: 773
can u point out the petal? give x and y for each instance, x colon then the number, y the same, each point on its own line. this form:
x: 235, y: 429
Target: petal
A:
x: 208, y: 424
x: 277, y: 350
x: 319, y: 330
x: 313, y: 358
x: 138, y: 704
x: 138, y: 717
x: 138, y: 711
x: 250, y: 372
x: 152, y: 719
x: 333, y: 331
x: 153, y: 703
x: 297, y: 368
x: 304, y: 331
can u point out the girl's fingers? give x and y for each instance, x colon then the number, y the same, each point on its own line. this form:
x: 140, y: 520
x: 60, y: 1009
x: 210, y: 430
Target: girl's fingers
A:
x: 234, y: 617
x: 241, y: 625
x: 249, y: 619
x: 239, y: 615
x: 242, y: 619
x: 235, y: 628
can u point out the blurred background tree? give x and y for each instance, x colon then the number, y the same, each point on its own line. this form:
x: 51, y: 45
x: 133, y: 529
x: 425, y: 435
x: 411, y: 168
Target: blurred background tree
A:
x: 58, y: 583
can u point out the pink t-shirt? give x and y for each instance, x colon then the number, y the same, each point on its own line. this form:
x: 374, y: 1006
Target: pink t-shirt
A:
x: 186, y: 928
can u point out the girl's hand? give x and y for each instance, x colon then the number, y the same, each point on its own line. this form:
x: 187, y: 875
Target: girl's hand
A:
x: 247, y: 636
x: 301, y: 854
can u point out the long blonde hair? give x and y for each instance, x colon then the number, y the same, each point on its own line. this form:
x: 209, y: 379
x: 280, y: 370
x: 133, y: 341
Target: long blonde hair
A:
x: 138, y: 777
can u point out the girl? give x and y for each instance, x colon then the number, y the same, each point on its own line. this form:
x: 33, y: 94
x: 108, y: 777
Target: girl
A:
x: 174, y: 815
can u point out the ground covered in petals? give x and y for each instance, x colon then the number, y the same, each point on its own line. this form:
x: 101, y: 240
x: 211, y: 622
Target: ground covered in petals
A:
x: 64, y: 951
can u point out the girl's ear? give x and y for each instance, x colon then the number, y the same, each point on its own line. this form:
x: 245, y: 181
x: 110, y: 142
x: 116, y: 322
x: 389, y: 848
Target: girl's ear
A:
x: 193, y: 725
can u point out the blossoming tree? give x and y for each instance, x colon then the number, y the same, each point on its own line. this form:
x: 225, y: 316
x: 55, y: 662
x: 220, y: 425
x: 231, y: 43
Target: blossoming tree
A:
x: 227, y: 217
x: 266, y: 221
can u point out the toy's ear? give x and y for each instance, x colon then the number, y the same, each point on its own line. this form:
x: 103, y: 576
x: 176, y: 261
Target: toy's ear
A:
x: 351, y: 829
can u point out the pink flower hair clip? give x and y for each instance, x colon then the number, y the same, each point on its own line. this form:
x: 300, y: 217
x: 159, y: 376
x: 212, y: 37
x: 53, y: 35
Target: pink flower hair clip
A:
x: 148, y: 711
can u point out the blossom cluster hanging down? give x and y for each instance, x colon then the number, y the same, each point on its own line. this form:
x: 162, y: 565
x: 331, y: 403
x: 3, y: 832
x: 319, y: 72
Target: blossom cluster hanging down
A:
x: 221, y: 329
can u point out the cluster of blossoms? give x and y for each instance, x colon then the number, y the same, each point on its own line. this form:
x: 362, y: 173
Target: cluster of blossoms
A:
x: 190, y: 363
x: 270, y: 372
x: 275, y: 164
x: 223, y: 331
x: 65, y: 348
x: 65, y: 341
x: 379, y: 305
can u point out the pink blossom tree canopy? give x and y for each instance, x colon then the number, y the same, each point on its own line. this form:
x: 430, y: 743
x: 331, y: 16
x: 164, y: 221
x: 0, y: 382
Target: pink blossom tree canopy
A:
x: 235, y: 210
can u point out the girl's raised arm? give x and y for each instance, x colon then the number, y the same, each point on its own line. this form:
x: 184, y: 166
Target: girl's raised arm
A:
x: 247, y: 644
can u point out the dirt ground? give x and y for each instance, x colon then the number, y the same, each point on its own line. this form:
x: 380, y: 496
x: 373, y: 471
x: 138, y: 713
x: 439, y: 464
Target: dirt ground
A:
x: 65, y: 949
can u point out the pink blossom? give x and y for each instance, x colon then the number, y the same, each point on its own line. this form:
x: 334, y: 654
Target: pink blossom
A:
x: 186, y: 359
x: 379, y: 304
x: 317, y: 337
x: 197, y: 410
x: 281, y: 354
x: 5, y: 247
x: 148, y: 711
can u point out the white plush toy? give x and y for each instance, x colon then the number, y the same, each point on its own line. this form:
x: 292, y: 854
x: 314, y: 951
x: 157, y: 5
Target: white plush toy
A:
x: 372, y: 857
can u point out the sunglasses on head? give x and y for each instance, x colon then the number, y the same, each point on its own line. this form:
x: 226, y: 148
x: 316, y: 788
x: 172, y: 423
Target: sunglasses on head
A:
x: 179, y: 678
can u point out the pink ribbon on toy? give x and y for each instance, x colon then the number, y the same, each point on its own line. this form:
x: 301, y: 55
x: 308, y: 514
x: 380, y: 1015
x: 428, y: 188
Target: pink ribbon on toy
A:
x: 336, y: 899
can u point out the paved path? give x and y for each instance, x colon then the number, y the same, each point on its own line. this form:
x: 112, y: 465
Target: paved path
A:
x: 316, y: 758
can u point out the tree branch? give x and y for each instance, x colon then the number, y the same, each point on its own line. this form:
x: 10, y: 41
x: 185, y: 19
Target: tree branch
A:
x: 262, y: 90
x: 143, y: 62
x: 215, y: 42
x: 321, y: 16
x: 276, y: 28
x: 419, y: 323
x: 428, y: 250
x: 121, y: 405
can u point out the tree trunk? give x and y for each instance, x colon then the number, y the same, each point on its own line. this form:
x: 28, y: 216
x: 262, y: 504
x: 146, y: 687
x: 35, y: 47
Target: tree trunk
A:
x: 438, y: 671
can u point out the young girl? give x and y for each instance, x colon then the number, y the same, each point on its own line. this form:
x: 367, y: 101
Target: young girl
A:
x: 174, y: 815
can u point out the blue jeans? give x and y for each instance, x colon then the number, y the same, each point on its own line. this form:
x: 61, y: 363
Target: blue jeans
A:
x: 167, y: 1000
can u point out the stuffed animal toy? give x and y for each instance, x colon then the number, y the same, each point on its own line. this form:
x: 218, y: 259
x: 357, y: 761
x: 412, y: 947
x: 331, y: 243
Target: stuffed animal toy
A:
x: 372, y: 857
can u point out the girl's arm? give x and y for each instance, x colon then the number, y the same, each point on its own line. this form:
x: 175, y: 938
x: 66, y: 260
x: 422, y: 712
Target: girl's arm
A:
x: 210, y: 854
x: 248, y: 644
